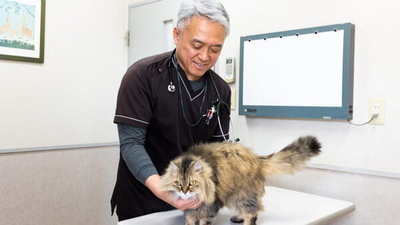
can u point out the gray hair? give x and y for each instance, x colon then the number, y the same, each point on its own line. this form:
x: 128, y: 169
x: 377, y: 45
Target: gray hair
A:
x: 210, y: 9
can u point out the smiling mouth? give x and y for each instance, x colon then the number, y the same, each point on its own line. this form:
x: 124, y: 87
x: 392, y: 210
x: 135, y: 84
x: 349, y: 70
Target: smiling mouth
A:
x: 199, y: 65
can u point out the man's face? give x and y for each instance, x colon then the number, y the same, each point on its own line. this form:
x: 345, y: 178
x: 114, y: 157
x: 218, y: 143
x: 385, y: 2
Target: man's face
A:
x: 198, y: 46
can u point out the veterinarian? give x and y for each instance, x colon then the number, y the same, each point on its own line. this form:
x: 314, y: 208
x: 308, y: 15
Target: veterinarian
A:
x: 166, y: 103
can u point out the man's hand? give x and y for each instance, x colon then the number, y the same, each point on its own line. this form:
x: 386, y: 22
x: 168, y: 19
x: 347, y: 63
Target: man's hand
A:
x: 153, y: 183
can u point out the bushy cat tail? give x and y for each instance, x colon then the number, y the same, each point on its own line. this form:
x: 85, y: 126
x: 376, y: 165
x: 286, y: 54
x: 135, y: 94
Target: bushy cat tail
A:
x: 292, y: 157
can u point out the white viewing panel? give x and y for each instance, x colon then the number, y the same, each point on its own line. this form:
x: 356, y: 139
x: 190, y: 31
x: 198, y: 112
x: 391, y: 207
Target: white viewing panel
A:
x: 305, y: 73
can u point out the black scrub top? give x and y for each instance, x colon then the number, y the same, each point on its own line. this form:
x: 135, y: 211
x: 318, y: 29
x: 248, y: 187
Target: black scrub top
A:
x: 170, y: 121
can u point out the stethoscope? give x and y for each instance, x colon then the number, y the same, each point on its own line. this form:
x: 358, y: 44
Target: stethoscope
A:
x: 215, y: 107
x: 171, y: 86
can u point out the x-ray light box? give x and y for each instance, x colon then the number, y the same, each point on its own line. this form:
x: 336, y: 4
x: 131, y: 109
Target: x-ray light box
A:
x: 304, y: 73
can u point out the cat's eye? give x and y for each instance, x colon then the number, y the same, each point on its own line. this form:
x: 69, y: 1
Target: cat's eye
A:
x: 177, y: 183
x: 192, y: 183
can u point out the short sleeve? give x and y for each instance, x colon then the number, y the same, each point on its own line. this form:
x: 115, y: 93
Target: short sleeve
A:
x: 134, y: 98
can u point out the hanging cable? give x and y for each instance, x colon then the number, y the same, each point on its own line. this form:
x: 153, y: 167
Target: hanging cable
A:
x: 362, y: 124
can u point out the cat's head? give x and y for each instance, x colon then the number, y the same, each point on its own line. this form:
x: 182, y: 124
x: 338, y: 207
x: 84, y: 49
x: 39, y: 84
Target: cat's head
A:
x: 188, y: 177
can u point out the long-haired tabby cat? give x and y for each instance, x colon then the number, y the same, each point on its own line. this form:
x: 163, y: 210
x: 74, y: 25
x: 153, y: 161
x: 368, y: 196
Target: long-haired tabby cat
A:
x: 229, y: 174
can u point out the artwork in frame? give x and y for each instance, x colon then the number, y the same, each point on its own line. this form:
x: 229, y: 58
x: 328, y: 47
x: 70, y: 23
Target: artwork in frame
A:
x: 22, y: 25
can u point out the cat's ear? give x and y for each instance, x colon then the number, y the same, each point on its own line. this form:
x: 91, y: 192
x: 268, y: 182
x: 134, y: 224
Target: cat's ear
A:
x: 174, y: 167
x: 197, y: 167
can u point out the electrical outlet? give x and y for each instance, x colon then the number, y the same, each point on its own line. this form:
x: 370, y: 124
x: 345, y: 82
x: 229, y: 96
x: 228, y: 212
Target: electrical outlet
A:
x: 377, y: 106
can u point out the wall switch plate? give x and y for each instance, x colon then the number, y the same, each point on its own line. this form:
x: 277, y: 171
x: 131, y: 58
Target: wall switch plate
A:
x: 377, y: 106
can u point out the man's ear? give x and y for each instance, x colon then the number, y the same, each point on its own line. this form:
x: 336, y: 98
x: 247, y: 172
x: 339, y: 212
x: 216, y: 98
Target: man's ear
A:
x: 176, y: 34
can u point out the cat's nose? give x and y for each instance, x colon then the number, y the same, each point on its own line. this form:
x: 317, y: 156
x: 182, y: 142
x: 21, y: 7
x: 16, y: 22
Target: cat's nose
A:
x: 185, y: 190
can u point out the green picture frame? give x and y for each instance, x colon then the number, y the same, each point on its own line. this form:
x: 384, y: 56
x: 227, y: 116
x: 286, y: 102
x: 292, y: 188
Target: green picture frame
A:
x: 22, y: 30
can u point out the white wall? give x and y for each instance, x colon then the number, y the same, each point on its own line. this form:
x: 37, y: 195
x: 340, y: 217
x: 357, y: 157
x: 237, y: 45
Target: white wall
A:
x: 354, y: 150
x: 84, y: 44
x: 70, y: 98
x: 376, y: 73
x: 132, y: 2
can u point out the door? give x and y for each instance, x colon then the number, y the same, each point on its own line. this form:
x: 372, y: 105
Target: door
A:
x: 150, y: 28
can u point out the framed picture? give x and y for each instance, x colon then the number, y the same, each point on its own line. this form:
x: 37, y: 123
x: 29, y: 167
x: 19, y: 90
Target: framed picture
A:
x: 22, y: 25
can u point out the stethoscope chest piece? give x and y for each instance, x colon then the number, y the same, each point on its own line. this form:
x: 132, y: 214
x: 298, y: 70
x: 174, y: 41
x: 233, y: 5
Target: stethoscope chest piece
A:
x: 171, y: 88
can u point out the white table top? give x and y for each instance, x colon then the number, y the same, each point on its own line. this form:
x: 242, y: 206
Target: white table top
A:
x: 282, y: 207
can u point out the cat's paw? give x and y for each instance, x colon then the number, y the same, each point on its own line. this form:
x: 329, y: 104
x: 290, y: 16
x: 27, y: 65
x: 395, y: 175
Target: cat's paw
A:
x: 237, y: 219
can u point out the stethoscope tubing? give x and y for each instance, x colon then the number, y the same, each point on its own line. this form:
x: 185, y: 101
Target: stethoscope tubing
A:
x: 172, y: 88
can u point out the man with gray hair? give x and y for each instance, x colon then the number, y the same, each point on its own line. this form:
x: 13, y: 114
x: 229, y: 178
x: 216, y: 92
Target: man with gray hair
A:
x: 165, y: 104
